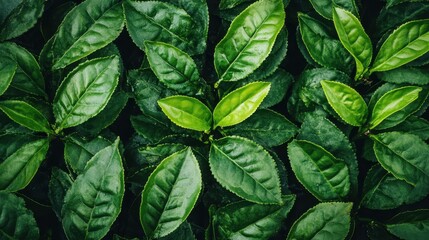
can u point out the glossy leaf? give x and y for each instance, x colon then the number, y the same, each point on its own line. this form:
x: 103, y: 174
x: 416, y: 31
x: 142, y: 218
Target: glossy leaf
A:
x: 391, y: 102
x: 325, y: 7
x: 11, y: 142
x: 245, y: 220
x: 408, y: 42
x: 404, y: 155
x: 59, y: 184
x: 94, y: 200
x: 246, y: 169
x: 249, y: 40
x: 346, y: 102
x: 7, y: 73
x: 100, y: 22
x: 85, y: 91
x: 354, y: 39
x: 240, y: 104
x: 187, y: 112
x: 280, y: 82
x: 323, y: 175
x: 16, y: 221
x: 324, y: 221
x: 170, y: 194
x: 26, y: 115
x: 407, y: 75
x: 19, y: 168
x: 412, y: 225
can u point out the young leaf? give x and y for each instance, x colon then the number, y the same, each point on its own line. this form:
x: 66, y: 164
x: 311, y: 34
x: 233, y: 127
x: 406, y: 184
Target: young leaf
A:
x: 94, y: 200
x: 249, y: 40
x: 245, y: 220
x: 392, y: 102
x: 100, y: 22
x: 354, y: 39
x: 17, y: 222
x: 85, y: 91
x: 404, y: 155
x: 408, y: 42
x: 324, y: 221
x: 170, y: 194
x: 26, y: 115
x: 246, y: 169
x: 19, y: 168
x: 7, y: 73
x: 240, y: 104
x: 187, y: 112
x: 59, y: 184
x: 412, y: 225
x: 346, y: 102
x: 323, y: 175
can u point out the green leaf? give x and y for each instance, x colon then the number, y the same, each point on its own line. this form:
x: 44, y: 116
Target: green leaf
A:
x: 412, y: 225
x: 85, y: 91
x: 323, y: 175
x: 414, y: 125
x: 325, y: 7
x: 249, y: 40
x: 7, y: 73
x: 19, y: 168
x: 174, y: 68
x: 170, y: 194
x: 183, y: 232
x: 17, y: 222
x: 354, y: 39
x: 59, y: 184
x: 346, y: 102
x: 325, y: 221
x: 408, y: 75
x: 245, y: 220
x: 265, y: 127
x: 240, y: 104
x: 246, y: 169
x: 26, y: 115
x: 280, y: 82
x: 392, y: 102
x: 94, y: 200
x: 100, y: 22
x: 187, y: 112
x: 11, y: 142
x: 151, y: 130
x: 408, y: 42
x: 17, y: 17
x: 226, y: 4
x: 404, y: 155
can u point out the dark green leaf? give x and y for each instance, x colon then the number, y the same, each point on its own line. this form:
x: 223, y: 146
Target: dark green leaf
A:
x: 11, y: 142
x: 413, y: 225
x: 59, y: 184
x: 415, y: 125
x: 7, y: 73
x: 183, y: 232
x: 151, y: 130
x: 280, y: 81
x: 325, y: 7
x: 410, y: 75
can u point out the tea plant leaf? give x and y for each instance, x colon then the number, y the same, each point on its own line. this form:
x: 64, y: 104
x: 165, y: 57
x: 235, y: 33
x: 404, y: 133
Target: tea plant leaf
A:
x: 11, y: 142
x: 227, y: 4
x: 325, y: 7
x: 246, y: 169
x: 245, y: 220
x: 249, y: 40
x: 408, y: 42
x: 323, y: 175
x: 101, y: 22
x: 17, y: 222
x: 173, y: 67
x: 7, y: 73
x: 354, y: 39
x: 324, y: 221
x: 265, y: 127
x: 85, y: 91
x: 280, y: 81
x: 94, y: 200
x: 404, y: 155
x: 187, y: 112
x: 414, y: 125
x: 408, y: 75
x: 149, y: 129
x: 25, y: 115
x: 59, y: 184
x: 240, y: 104
x: 170, y: 194
x: 410, y: 225
x: 346, y: 102
x: 183, y: 232
x: 19, y: 168
x: 392, y: 102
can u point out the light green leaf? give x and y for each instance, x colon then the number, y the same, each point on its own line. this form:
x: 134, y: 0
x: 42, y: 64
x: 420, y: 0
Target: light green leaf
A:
x: 246, y: 169
x: 325, y: 221
x: 85, y: 91
x: 325, y: 7
x: 323, y: 175
x: 412, y: 225
x: 354, y: 39
x: 26, y: 115
x: 94, y: 200
x: 17, y: 222
x: 100, y: 22
x: 240, y: 104
x: 392, y: 102
x: 346, y: 102
x: 249, y: 40
x: 19, y: 168
x: 187, y: 112
x: 404, y: 155
x: 59, y: 184
x: 408, y: 42
x: 170, y: 194
x: 7, y: 73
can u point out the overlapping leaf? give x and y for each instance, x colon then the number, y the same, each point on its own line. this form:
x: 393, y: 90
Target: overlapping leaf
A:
x: 412, y: 225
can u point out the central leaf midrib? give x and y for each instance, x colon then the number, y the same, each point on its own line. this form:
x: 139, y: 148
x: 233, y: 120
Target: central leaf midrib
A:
x: 173, y: 67
x: 234, y: 109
